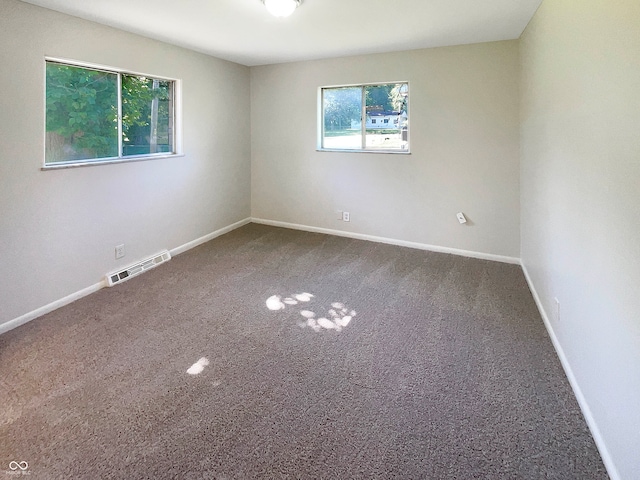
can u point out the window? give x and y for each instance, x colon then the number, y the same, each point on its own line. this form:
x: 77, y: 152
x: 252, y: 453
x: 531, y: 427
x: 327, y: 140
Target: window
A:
x: 97, y: 115
x: 358, y: 118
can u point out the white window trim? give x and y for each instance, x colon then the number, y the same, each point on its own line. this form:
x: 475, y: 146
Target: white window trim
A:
x: 177, y: 118
x: 320, y: 121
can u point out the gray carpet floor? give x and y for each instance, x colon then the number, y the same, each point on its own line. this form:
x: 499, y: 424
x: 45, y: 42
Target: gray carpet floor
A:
x: 273, y: 353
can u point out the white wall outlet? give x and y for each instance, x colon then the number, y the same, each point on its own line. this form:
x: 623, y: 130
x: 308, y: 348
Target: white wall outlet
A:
x: 346, y: 217
x: 461, y: 217
x: 119, y: 251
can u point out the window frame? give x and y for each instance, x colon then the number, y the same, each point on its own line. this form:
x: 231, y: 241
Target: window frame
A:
x: 176, y: 115
x: 320, y: 121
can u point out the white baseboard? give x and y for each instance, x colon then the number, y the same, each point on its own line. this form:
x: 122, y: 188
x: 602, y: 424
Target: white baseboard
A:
x: 206, y: 238
x: 577, y: 391
x: 38, y: 312
x: 391, y: 241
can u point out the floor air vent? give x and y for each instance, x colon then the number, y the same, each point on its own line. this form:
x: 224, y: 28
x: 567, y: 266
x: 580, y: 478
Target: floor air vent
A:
x: 137, y: 268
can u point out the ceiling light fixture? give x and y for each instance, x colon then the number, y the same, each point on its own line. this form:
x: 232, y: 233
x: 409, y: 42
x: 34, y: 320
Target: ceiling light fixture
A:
x: 281, y: 8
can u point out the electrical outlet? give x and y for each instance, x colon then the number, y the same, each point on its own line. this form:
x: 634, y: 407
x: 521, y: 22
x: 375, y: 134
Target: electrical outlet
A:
x: 119, y: 251
x: 557, y: 308
x: 345, y: 217
x: 461, y: 217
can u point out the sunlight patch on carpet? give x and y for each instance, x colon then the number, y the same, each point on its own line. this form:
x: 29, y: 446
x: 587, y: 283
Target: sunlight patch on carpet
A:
x: 276, y: 302
x: 198, y: 367
x: 332, y: 316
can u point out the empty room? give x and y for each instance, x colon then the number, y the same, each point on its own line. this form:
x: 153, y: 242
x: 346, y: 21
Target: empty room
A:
x: 319, y: 239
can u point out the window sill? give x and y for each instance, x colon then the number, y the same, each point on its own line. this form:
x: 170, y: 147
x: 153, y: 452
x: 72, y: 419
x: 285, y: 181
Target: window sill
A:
x: 345, y: 150
x: 94, y: 163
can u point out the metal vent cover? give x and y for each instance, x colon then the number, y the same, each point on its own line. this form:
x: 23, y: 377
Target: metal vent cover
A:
x: 137, y: 268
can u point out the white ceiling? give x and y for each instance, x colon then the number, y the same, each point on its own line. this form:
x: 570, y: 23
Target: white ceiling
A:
x: 244, y: 32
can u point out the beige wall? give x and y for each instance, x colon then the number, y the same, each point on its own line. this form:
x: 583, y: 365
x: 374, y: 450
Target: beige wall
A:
x: 580, y: 182
x: 58, y: 229
x: 464, y: 143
